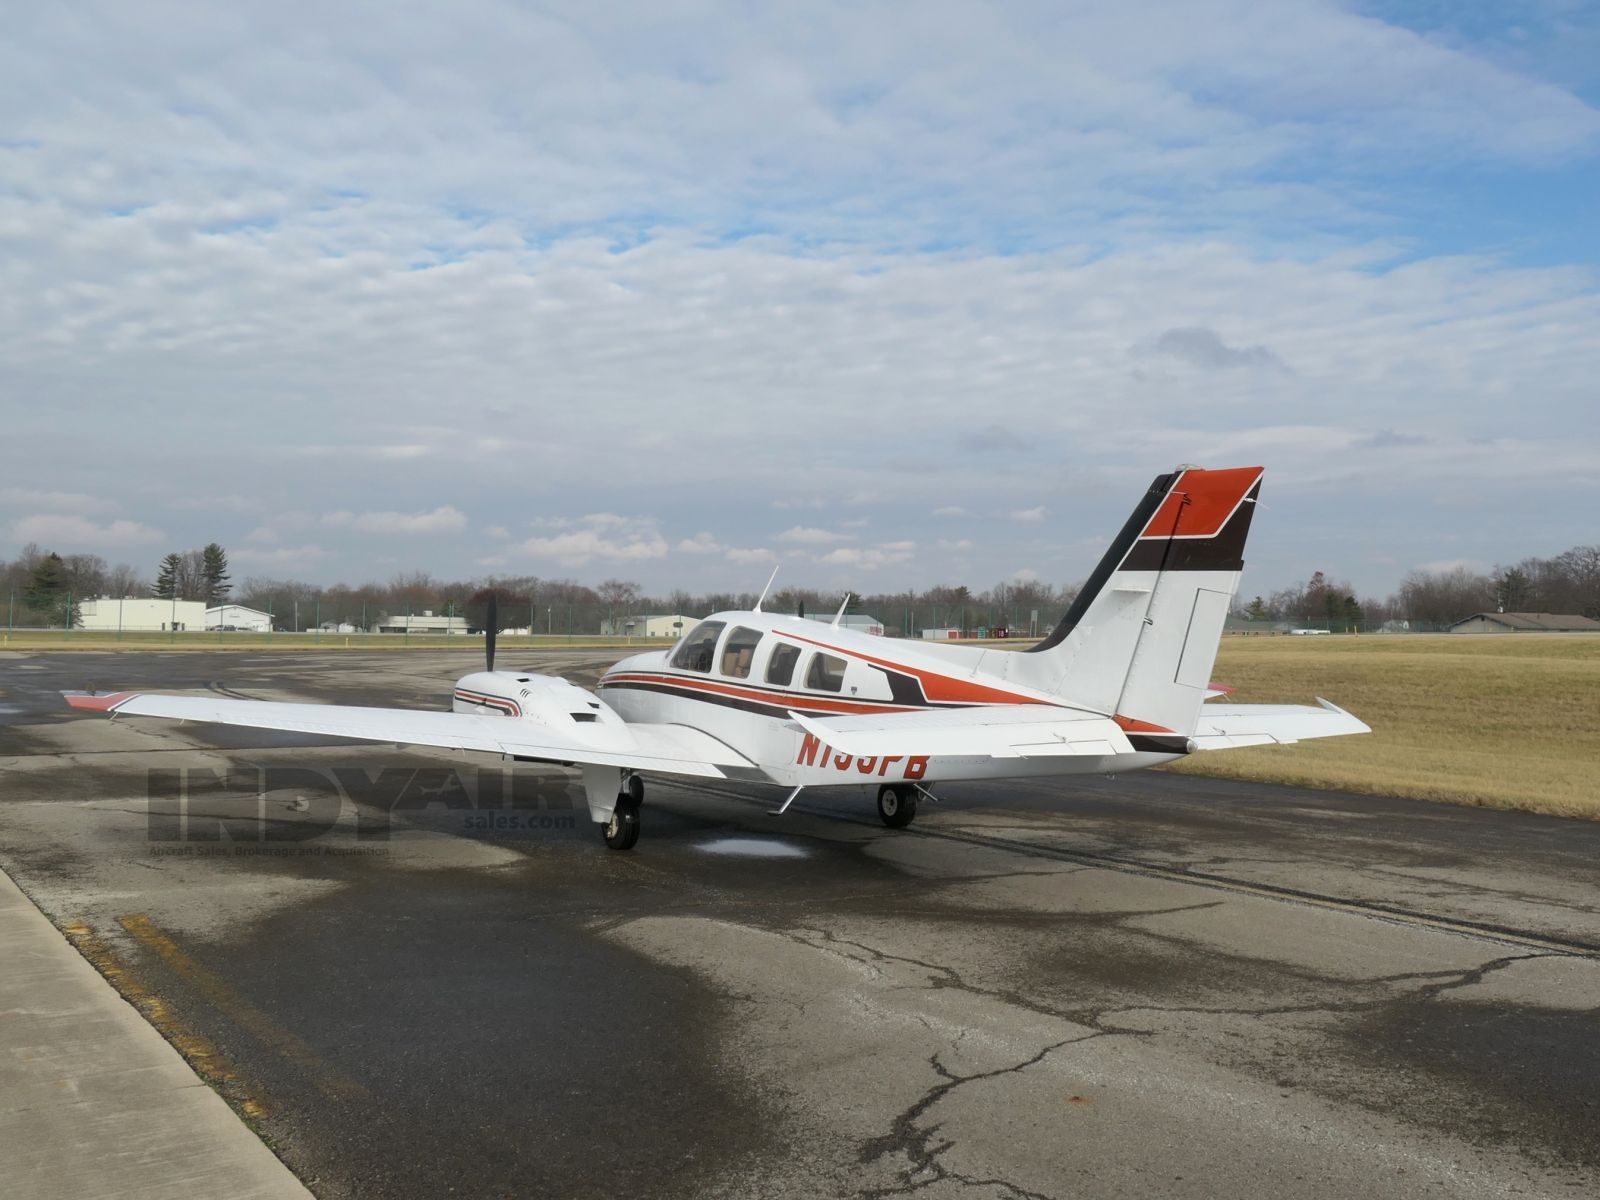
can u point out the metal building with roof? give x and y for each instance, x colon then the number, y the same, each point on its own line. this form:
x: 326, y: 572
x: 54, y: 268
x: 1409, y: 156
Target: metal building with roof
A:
x: 1525, y: 623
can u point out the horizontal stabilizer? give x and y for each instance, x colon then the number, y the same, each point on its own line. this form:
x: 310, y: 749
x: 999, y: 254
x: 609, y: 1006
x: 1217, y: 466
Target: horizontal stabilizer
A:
x: 1227, y: 726
x: 993, y: 731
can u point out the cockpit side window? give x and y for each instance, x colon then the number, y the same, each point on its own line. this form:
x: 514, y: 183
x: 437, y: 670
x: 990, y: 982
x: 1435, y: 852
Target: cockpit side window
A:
x: 738, y: 650
x: 826, y: 673
x: 697, y: 650
x: 780, y: 667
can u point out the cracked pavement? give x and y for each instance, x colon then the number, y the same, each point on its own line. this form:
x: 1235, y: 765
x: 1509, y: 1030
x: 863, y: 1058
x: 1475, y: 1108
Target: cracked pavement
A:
x: 873, y: 1013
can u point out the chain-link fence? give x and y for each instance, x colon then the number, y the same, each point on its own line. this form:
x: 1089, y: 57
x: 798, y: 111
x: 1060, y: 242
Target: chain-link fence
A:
x: 352, y: 619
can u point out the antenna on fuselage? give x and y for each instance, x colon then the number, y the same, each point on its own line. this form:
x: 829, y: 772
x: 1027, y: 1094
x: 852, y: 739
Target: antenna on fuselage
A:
x: 839, y: 616
x: 491, y: 626
x: 768, y: 588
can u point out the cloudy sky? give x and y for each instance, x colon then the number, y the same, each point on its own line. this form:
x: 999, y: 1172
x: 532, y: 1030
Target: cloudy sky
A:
x: 892, y: 293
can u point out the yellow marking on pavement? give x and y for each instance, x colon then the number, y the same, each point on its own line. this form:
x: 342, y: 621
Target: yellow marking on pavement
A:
x: 239, y: 1010
x: 196, y: 1049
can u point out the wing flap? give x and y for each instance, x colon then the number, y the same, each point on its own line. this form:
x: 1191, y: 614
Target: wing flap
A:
x: 667, y: 749
x: 1228, y: 726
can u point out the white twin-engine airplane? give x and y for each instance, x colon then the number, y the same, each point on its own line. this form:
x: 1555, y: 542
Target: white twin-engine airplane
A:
x: 1120, y: 684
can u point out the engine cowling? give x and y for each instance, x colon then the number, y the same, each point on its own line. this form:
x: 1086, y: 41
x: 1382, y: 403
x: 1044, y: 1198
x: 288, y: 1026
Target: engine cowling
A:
x: 543, y: 699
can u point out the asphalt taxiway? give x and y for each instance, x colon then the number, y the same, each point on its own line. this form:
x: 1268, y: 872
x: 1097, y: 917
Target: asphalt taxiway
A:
x: 1153, y: 985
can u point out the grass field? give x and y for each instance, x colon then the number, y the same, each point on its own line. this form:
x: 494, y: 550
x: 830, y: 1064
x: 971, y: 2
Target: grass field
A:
x: 1504, y: 721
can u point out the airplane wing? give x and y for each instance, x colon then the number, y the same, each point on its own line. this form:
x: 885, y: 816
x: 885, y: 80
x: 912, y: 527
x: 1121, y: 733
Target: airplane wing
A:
x: 1226, y: 726
x: 993, y: 731
x: 663, y: 749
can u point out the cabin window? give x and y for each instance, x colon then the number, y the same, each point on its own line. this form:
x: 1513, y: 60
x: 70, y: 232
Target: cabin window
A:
x: 697, y: 650
x: 738, y: 650
x: 826, y: 673
x: 780, y: 667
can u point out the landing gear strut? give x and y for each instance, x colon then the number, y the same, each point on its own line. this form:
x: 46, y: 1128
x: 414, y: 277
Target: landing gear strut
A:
x: 622, y: 831
x: 897, y: 804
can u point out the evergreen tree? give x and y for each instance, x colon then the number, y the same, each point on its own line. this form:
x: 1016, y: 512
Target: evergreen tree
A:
x: 214, y: 574
x: 47, y: 590
x: 49, y: 582
x: 1257, y: 610
x: 167, y: 578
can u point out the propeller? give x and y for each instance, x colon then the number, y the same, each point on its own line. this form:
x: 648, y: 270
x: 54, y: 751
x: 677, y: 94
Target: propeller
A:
x: 491, y: 626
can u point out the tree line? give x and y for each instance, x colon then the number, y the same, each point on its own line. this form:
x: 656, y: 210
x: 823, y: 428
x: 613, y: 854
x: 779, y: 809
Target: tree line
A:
x: 40, y: 582
x: 1567, y: 583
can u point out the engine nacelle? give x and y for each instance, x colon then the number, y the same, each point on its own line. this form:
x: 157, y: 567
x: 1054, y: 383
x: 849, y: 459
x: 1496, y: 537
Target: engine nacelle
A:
x: 542, y: 699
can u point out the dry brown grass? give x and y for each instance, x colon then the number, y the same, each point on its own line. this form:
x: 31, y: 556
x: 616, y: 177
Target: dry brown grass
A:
x: 1504, y: 721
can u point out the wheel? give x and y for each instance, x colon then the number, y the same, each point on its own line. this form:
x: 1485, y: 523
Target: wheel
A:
x: 634, y: 789
x: 622, y: 831
x: 897, y: 804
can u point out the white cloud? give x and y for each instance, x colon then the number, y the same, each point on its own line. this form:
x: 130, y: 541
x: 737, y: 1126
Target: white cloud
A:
x: 382, y: 451
x: 67, y: 532
x: 701, y: 543
x: 1026, y: 575
x: 950, y: 510
x: 579, y: 546
x: 759, y: 554
x: 280, y: 557
x: 1028, y: 516
x: 804, y: 535
x: 445, y: 519
x: 60, y: 502
x: 599, y: 520
x: 870, y: 557
x: 955, y: 544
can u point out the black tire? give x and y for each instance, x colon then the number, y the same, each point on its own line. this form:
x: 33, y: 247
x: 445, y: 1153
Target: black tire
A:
x: 897, y: 805
x: 634, y: 789
x: 622, y: 831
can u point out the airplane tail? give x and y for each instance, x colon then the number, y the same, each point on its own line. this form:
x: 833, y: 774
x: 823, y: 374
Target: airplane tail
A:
x: 1140, y: 640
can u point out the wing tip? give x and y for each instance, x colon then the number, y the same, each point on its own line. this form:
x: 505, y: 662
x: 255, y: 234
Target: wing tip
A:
x: 97, y: 701
x: 1330, y: 706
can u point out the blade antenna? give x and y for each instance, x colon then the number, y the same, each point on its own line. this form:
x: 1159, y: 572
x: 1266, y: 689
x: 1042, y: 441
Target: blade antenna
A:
x: 491, y: 626
x: 767, y: 589
x: 839, y: 616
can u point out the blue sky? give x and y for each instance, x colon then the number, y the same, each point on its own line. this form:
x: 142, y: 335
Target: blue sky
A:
x: 894, y: 294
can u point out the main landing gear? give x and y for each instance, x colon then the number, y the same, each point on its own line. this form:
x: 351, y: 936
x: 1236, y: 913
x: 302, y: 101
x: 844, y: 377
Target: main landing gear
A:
x: 897, y: 804
x: 622, y: 831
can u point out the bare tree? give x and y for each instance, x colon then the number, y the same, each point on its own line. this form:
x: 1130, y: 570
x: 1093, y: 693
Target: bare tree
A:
x: 1442, y: 597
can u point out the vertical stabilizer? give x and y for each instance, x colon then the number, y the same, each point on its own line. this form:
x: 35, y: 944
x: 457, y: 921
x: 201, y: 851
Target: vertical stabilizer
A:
x: 1140, y: 639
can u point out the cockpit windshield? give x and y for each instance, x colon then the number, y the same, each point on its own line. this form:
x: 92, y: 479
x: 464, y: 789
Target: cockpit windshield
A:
x: 696, y: 652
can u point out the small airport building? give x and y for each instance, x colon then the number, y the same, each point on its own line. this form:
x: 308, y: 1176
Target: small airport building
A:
x: 674, y: 625
x: 238, y: 617
x: 141, y: 614
x: 422, y: 622
x: 1525, y: 623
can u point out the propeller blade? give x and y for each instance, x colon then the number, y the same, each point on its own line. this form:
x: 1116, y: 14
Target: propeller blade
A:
x: 491, y: 626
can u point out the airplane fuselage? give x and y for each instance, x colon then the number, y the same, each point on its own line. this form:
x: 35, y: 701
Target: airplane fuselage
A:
x: 737, y: 676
